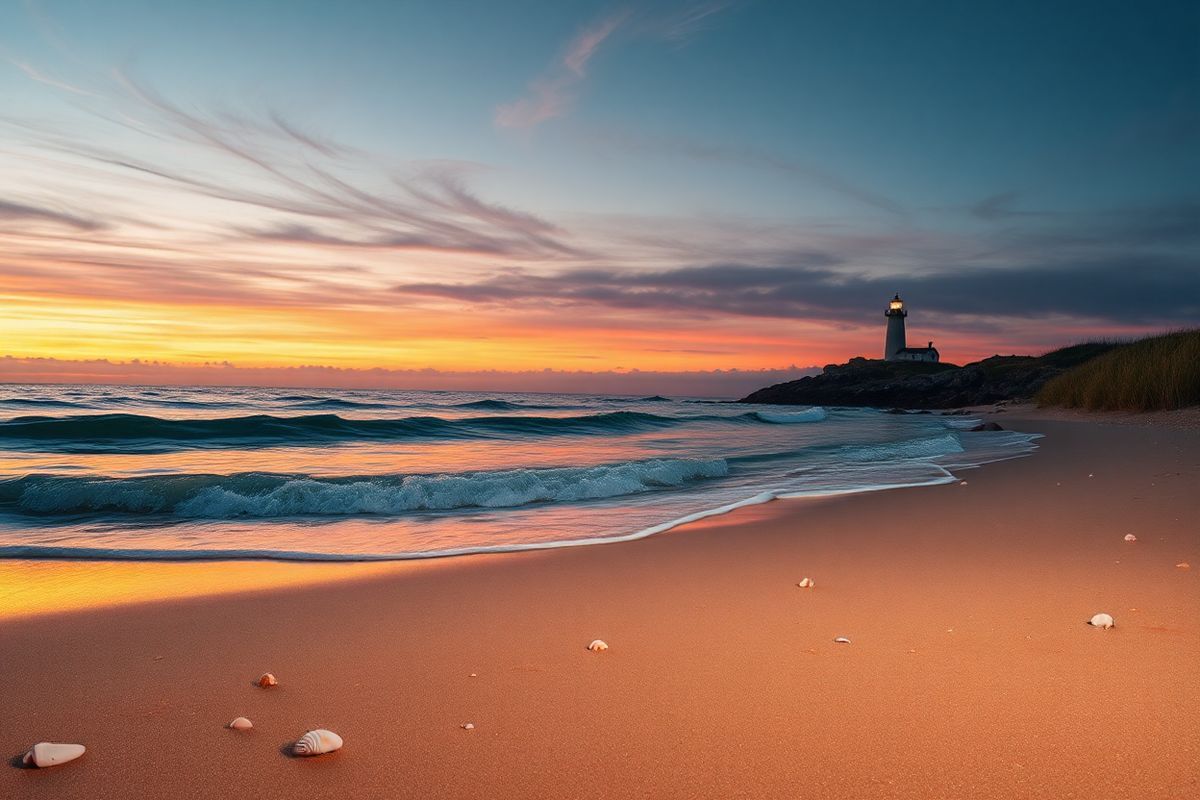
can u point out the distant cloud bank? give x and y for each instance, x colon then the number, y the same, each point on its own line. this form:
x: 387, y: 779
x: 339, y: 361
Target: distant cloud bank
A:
x: 710, y: 383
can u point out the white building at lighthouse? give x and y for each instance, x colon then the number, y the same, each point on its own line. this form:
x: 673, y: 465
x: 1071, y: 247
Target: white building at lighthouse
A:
x: 895, y: 348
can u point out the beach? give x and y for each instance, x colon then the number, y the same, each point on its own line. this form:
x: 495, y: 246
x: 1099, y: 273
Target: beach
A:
x: 970, y: 671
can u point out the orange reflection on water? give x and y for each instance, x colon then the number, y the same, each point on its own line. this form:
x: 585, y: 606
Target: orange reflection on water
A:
x: 40, y: 587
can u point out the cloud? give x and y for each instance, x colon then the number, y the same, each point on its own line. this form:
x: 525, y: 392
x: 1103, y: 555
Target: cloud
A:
x: 684, y: 24
x: 36, y: 75
x: 697, y: 150
x: 273, y: 164
x: 1125, y: 268
x: 23, y: 211
x: 694, y: 383
x: 552, y: 94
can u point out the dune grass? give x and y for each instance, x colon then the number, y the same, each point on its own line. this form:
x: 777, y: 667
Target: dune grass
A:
x: 1161, y: 372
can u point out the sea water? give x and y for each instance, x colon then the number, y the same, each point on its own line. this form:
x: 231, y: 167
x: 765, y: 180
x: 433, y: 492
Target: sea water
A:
x: 176, y: 473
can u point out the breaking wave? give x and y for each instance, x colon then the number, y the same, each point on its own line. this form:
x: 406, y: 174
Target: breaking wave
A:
x: 269, y: 495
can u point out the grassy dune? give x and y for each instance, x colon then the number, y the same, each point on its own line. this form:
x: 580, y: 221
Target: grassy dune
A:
x: 1162, y: 372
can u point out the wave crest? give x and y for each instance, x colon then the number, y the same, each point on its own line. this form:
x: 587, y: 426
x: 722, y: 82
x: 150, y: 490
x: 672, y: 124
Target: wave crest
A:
x: 268, y: 495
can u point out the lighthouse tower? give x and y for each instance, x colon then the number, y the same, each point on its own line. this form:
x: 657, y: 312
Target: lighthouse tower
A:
x: 895, y: 343
x: 895, y: 347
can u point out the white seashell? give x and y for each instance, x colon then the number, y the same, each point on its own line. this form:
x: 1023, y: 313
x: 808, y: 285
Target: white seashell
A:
x: 1129, y: 537
x: 1101, y: 621
x: 807, y: 583
x: 314, y: 743
x: 598, y: 645
x: 267, y: 680
x: 468, y: 726
x: 241, y: 724
x: 47, y: 754
x: 842, y: 640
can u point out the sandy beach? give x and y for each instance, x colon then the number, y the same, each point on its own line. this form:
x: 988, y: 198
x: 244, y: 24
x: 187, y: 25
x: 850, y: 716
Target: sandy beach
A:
x: 970, y: 670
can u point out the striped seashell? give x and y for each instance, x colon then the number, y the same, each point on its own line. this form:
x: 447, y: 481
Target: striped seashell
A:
x: 267, y: 680
x: 241, y: 724
x: 1101, y: 621
x: 598, y: 645
x: 48, y: 754
x: 314, y: 743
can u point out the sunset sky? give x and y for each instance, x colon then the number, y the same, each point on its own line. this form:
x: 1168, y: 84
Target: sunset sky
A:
x: 390, y: 193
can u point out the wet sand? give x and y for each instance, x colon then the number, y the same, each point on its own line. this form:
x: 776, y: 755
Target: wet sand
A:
x: 970, y: 671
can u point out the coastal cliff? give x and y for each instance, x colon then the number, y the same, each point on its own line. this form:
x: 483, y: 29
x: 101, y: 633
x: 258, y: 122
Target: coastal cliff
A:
x: 887, y: 384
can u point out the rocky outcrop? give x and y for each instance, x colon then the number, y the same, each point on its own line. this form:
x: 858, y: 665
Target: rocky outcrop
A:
x: 914, y: 385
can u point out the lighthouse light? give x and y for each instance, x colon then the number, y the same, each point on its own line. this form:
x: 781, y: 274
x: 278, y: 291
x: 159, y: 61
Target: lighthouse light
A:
x: 897, y: 305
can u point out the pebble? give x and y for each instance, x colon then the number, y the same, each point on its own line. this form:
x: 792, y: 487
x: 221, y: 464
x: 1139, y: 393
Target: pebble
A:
x: 842, y: 640
x: 468, y: 726
x: 1129, y: 537
x: 267, y: 680
x: 241, y: 724
x: 1101, y: 621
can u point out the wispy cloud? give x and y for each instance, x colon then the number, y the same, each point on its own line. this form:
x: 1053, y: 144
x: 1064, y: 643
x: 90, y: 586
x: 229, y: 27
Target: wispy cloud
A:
x: 741, y: 155
x: 552, y: 94
x: 37, y: 75
x: 21, y: 211
x: 684, y: 24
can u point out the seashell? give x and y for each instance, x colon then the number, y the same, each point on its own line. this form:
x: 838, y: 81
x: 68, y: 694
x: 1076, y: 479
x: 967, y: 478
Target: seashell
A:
x: 1184, y: 565
x: 1101, y: 621
x: 842, y: 640
x: 473, y: 675
x: 807, y: 583
x: 267, y: 680
x: 1129, y: 537
x: 47, y: 754
x: 241, y: 724
x: 598, y: 645
x: 314, y: 743
x: 468, y: 726
x: 962, y: 483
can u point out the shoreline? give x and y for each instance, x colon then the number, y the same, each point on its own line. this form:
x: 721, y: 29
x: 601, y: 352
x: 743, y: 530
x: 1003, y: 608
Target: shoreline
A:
x: 81, y: 579
x: 964, y: 605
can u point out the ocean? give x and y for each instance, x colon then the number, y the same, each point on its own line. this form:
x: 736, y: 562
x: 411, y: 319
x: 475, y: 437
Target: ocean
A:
x: 117, y: 472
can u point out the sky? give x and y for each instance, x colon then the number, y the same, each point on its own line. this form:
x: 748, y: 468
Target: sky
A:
x: 697, y: 195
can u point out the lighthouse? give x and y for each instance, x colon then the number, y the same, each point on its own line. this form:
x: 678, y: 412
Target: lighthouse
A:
x: 895, y: 345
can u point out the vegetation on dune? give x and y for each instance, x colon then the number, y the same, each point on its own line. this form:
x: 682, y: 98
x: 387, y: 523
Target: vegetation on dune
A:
x: 1162, y: 372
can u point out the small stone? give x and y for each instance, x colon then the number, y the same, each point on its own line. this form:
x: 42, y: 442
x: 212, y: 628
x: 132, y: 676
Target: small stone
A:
x: 1184, y: 565
x: 468, y: 726
x: 267, y: 680
x: 842, y: 640
x: 241, y: 724
x: 473, y: 675
x: 807, y: 583
x: 1101, y: 621
x: 1129, y: 537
